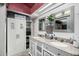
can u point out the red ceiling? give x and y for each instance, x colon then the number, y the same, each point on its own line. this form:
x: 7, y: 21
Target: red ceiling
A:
x: 30, y: 5
x: 28, y: 8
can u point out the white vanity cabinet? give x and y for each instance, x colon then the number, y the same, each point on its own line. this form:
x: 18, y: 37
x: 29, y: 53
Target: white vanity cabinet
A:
x: 32, y: 48
x: 38, y: 48
x: 35, y: 48
x: 55, y: 52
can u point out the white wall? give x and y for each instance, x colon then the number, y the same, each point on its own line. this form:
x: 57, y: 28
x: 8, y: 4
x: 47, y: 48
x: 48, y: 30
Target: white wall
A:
x: 3, y: 30
x: 59, y: 34
x: 76, y: 22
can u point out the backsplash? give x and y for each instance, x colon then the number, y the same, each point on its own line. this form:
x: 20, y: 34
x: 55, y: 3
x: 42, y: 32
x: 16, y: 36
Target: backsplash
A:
x: 64, y: 35
x: 59, y: 34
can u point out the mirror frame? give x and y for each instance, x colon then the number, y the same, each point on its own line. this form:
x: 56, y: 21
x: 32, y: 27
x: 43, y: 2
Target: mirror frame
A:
x: 71, y: 24
x: 42, y: 21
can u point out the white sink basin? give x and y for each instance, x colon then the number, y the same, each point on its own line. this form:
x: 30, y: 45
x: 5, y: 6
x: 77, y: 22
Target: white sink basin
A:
x: 59, y: 44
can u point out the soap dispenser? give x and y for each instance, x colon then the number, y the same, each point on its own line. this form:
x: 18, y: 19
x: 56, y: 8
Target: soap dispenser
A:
x: 76, y: 43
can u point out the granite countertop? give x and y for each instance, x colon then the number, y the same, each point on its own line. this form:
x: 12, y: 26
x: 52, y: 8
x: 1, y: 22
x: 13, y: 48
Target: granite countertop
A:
x: 69, y: 48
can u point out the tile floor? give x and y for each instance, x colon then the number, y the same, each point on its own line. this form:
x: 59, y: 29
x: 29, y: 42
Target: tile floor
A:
x: 24, y: 53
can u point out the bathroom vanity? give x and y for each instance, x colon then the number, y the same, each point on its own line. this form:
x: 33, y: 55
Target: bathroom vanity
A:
x: 64, y: 26
x: 45, y: 47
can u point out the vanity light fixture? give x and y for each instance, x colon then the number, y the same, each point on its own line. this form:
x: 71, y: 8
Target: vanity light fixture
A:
x: 67, y: 12
x: 58, y: 15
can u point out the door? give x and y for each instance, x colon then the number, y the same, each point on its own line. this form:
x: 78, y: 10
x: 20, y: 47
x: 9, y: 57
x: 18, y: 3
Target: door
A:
x: 32, y: 48
x: 16, y: 36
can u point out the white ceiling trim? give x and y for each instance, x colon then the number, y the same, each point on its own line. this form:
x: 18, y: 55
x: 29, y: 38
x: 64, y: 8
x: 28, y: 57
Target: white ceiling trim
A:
x: 45, y: 9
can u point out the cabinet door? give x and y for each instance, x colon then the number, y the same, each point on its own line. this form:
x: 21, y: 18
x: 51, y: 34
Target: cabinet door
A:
x: 39, y: 47
x: 56, y: 51
x: 32, y: 48
x: 45, y: 53
x: 38, y: 54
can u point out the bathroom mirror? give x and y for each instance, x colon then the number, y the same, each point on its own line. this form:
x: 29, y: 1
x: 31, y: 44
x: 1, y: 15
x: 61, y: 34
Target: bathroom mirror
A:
x: 42, y: 24
x: 64, y: 20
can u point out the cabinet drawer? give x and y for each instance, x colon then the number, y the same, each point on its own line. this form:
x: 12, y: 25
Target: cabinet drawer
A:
x: 56, y: 51
x: 51, y: 49
x: 63, y: 53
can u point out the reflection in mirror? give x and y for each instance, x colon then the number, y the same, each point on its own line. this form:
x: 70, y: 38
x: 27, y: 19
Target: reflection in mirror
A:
x: 67, y: 12
x: 61, y: 24
x: 59, y: 15
x: 64, y: 20
x: 41, y: 24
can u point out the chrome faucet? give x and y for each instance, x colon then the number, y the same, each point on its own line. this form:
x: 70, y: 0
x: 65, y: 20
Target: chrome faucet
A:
x: 49, y: 36
x: 72, y: 40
